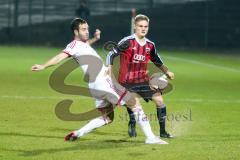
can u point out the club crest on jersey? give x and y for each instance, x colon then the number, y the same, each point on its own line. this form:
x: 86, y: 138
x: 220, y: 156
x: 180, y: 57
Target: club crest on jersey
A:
x: 148, y: 50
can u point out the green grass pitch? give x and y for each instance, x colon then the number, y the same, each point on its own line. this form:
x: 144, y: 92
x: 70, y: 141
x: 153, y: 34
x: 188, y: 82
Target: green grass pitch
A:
x: 203, y: 112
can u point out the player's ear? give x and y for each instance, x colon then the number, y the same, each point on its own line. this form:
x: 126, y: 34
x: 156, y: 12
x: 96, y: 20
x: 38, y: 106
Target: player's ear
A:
x: 76, y: 32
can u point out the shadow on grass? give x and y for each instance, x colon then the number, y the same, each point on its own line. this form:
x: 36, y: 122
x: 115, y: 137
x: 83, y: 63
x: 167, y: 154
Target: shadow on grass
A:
x: 96, y: 132
x: 28, y: 135
x: 81, y: 146
x: 137, y: 154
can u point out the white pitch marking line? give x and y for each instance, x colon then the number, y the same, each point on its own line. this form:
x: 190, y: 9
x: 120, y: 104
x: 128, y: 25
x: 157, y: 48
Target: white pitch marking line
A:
x: 202, y: 63
x: 42, y: 97
x: 81, y: 97
x: 206, y: 100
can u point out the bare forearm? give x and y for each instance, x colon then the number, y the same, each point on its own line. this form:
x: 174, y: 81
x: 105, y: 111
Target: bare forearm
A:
x: 96, y: 37
x: 92, y: 40
x: 166, y: 71
x: 163, y: 68
x: 53, y: 61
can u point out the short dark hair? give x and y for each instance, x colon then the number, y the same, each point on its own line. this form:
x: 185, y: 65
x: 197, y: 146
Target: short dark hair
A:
x: 76, y: 22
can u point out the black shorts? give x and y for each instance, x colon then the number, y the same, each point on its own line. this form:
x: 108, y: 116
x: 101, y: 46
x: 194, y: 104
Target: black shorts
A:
x: 141, y: 89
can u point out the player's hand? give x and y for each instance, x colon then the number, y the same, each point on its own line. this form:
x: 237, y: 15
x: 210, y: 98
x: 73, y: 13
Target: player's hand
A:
x: 37, y: 67
x: 97, y: 34
x: 170, y: 75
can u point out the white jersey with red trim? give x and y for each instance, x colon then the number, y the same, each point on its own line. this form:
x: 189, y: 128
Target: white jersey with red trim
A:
x: 93, y: 66
x: 86, y: 57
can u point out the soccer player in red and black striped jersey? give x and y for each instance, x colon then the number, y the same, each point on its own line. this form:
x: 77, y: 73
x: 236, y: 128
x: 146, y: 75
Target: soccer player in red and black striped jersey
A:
x: 133, y: 70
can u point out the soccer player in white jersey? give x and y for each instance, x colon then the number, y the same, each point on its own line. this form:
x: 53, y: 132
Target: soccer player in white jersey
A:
x: 109, y: 92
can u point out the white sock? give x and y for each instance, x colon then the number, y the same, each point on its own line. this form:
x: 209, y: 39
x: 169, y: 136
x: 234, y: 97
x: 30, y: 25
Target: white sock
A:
x: 143, y: 121
x: 91, y: 125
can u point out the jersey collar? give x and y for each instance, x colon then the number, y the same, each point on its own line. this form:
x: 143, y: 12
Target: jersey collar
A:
x: 138, y: 41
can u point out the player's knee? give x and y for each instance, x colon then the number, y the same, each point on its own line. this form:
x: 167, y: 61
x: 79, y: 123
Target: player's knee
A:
x: 159, y: 103
x: 158, y: 100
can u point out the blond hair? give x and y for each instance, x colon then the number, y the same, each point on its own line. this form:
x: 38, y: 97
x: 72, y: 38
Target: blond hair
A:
x: 140, y: 17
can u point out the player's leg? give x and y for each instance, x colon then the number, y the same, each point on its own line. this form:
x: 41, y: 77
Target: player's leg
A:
x: 100, y: 89
x: 142, y: 120
x: 131, y: 124
x: 107, y: 117
x: 144, y: 91
x: 161, y: 114
x: 117, y: 94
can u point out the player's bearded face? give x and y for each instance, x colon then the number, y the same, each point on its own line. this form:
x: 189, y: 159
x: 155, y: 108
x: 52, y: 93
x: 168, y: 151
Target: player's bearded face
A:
x: 141, y: 28
x: 83, y: 32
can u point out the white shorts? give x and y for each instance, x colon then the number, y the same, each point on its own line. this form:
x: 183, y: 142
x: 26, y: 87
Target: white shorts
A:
x: 105, y: 92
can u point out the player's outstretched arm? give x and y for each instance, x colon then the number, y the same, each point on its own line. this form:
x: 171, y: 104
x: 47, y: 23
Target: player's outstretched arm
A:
x: 97, y: 36
x: 53, y: 61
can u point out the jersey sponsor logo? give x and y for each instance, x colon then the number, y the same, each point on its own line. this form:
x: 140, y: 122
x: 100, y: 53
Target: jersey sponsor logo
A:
x: 138, y: 57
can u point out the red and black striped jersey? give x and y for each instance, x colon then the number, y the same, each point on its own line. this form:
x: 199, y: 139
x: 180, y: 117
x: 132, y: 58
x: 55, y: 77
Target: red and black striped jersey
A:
x: 134, y: 60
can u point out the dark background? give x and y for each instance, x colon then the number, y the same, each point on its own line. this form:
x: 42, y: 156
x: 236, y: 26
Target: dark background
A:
x: 188, y: 24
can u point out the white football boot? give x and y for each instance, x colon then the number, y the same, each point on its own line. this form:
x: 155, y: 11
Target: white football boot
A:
x: 155, y: 140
